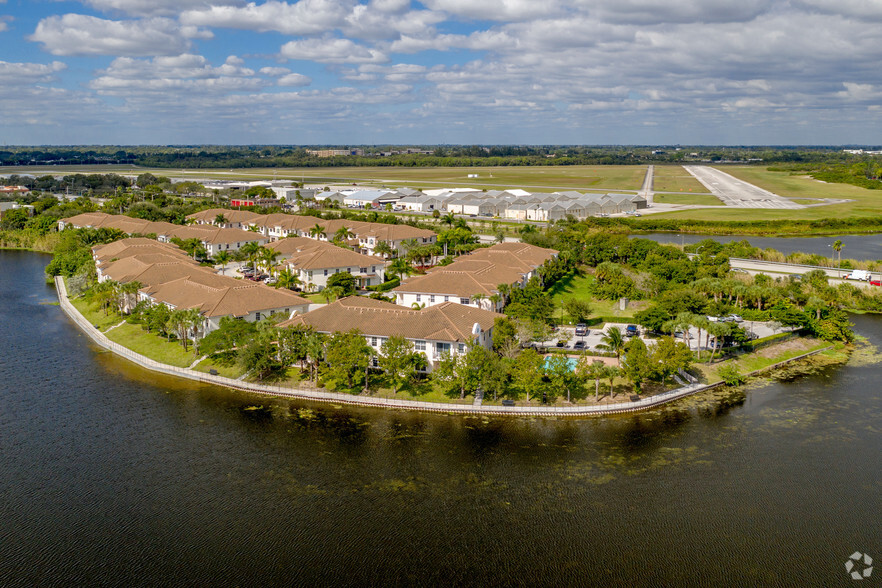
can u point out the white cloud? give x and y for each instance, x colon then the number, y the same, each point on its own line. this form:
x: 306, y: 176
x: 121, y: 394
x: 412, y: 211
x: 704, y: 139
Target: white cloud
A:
x: 294, y: 79
x: 305, y: 17
x: 154, y: 7
x: 497, y: 10
x: 28, y: 73
x: 327, y: 50
x: 862, y: 9
x: 274, y: 71
x: 77, y: 34
x: 168, y: 77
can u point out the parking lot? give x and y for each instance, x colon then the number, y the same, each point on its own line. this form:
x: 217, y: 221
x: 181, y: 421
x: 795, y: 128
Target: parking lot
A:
x: 595, y: 335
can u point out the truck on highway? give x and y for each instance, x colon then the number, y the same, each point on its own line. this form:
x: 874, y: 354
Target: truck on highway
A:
x: 862, y: 275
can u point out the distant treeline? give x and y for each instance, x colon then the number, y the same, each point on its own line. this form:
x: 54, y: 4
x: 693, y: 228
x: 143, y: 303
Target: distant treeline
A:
x: 435, y: 156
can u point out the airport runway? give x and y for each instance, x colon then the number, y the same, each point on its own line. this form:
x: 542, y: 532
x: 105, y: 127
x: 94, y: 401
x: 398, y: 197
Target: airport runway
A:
x: 735, y: 192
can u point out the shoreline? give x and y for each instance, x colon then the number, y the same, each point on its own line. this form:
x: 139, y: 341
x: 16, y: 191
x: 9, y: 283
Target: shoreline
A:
x: 367, y: 401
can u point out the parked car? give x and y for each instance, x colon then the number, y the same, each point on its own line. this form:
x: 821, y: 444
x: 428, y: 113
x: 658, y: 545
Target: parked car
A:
x: 581, y: 330
x: 579, y: 345
x: 631, y: 331
x: 735, y: 318
x: 562, y: 343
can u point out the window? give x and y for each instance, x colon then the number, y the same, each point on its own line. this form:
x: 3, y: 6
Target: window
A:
x: 326, y: 272
x: 447, y: 299
x: 441, y: 348
x: 373, y: 269
x: 419, y: 297
x: 257, y: 316
x: 349, y: 270
x: 362, y: 270
x: 431, y: 298
x: 373, y: 341
x: 463, y: 300
x: 461, y: 348
x: 419, y: 345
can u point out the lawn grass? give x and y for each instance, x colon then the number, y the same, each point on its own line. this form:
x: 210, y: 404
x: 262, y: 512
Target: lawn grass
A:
x: 206, y: 365
x: 151, y: 345
x: 699, y: 199
x: 94, y: 314
x: 673, y: 178
x: 761, y: 359
x: 541, y: 178
x: 578, y: 285
x: 865, y: 202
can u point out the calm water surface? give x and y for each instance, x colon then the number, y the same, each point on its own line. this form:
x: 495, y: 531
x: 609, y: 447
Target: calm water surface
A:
x: 111, y: 475
x: 862, y: 247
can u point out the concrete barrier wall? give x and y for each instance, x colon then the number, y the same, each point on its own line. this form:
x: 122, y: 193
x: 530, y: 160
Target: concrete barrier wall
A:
x: 336, y: 398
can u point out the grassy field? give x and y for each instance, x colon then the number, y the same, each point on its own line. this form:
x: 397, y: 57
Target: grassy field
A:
x: 865, y: 202
x: 673, y: 178
x: 699, y: 199
x: 762, y: 358
x: 578, y: 286
x: 540, y: 178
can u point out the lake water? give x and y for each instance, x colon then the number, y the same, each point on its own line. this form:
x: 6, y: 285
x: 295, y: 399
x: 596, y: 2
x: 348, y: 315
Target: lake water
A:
x: 111, y: 475
x: 861, y: 247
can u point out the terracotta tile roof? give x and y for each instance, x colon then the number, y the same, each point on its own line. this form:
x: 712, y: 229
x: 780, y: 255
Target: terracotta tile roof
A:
x: 310, y: 254
x: 480, y: 272
x: 232, y: 216
x: 233, y: 298
x: 137, y: 246
x: 442, y: 322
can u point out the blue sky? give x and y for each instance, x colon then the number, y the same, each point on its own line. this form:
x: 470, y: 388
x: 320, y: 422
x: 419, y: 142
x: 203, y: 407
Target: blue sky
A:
x: 440, y: 71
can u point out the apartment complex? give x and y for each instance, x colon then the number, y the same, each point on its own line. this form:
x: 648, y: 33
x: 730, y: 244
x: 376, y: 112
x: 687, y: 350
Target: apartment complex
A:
x: 474, y: 279
x: 445, y: 328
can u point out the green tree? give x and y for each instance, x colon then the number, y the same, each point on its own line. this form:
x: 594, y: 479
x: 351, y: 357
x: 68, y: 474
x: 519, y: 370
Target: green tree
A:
x: 400, y: 268
x: 528, y: 373
x: 347, y: 358
x: 383, y: 248
x: 668, y: 356
x: 613, y: 340
x: 222, y: 258
x: 287, y: 279
x: 343, y: 280
x: 636, y: 364
x: 562, y: 376
x: 399, y: 360
x: 578, y: 309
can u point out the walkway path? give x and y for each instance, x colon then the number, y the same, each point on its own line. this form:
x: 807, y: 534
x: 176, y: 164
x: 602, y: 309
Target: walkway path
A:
x: 369, y: 401
x: 646, y: 189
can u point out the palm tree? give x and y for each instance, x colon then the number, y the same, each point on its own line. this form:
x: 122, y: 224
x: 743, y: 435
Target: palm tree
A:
x: 837, y: 247
x: 333, y: 292
x: 448, y: 219
x: 504, y: 291
x: 343, y: 234
x: 250, y: 250
x: 317, y: 232
x: 613, y: 340
x: 494, y: 299
x: 383, y: 248
x: 418, y: 305
x: 718, y: 330
x: 220, y: 220
x: 287, y: 279
x: 611, y: 372
x: 478, y: 299
x: 222, y: 259
x: 593, y: 370
x: 268, y: 257
x: 400, y: 267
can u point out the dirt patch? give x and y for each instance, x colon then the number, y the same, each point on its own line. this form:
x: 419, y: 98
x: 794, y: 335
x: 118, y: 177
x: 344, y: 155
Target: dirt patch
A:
x: 798, y: 344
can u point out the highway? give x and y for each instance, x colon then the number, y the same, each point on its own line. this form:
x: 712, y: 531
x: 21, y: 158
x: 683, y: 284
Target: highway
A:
x: 773, y: 268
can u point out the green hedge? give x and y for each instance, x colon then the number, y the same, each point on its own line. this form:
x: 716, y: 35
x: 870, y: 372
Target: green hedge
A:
x: 757, y: 344
x: 385, y: 286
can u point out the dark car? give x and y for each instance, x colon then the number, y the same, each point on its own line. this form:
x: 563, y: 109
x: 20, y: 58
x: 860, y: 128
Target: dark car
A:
x: 579, y: 345
x: 631, y: 331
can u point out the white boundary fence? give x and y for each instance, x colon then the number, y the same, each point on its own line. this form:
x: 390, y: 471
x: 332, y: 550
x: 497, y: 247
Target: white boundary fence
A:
x: 337, y: 398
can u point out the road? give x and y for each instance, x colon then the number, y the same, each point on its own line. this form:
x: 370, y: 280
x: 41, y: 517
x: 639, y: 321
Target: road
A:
x: 646, y: 189
x: 737, y: 193
x: 753, y: 266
